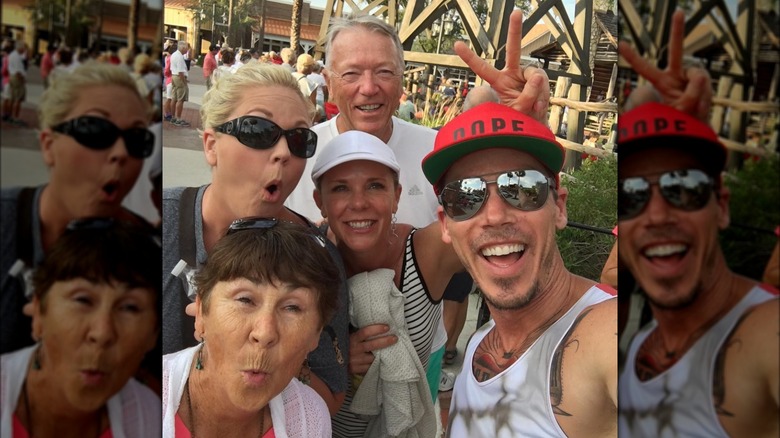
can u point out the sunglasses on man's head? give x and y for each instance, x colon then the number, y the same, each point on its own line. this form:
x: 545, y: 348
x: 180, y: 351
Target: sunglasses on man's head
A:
x: 99, y: 134
x: 524, y: 190
x: 687, y: 189
x: 264, y: 223
x: 260, y: 133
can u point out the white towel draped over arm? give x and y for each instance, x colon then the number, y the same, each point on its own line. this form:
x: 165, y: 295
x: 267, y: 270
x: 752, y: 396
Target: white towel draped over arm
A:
x: 394, y: 394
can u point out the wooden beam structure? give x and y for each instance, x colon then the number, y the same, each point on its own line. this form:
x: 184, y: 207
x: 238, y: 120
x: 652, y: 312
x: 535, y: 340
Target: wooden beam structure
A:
x: 737, y: 35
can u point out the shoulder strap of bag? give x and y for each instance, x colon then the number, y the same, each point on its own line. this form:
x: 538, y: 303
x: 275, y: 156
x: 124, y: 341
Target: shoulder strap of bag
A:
x: 24, y: 233
x: 187, y: 249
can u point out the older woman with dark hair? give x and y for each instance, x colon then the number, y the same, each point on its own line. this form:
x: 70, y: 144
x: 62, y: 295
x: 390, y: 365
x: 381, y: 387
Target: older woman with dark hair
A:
x: 95, y: 316
x: 263, y: 297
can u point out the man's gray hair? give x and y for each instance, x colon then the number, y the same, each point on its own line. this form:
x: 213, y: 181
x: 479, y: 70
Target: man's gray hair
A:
x: 479, y: 95
x: 367, y: 22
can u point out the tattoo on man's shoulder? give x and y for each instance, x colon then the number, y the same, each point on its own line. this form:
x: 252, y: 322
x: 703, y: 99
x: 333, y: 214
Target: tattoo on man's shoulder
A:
x: 719, y: 377
x: 556, y: 369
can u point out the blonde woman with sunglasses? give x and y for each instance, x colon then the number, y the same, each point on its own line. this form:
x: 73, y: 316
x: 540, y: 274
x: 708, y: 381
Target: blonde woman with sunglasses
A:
x: 256, y: 139
x: 94, y: 150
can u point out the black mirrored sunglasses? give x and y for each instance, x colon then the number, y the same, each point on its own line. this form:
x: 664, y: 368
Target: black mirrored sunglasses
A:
x: 524, y: 190
x: 98, y: 133
x: 264, y: 223
x: 260, y: 133
x: 687, y: 189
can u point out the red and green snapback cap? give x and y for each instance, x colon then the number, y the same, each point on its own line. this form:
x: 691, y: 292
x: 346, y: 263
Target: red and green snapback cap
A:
x: 491, y: 125
x: 655, y: 125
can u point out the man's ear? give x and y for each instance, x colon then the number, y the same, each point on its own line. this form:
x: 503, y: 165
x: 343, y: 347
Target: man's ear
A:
x: 561, y: 217
x: 210, y: 147
x: 46, y: 139
x: 445, y: 234
x: 326, y: 74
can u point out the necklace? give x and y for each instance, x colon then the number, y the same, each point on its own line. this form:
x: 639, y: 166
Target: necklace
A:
x: 192, y: 413
x: 28, y: 413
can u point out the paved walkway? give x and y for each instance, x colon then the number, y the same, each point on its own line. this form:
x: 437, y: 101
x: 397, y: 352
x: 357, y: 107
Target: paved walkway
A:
x: 20, y: 157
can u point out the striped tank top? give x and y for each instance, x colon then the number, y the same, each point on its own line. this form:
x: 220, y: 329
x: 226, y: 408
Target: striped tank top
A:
x: 422, y: 317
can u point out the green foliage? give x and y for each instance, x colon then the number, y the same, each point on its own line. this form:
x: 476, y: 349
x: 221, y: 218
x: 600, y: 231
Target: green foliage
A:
x: 51, y: 14
x: 210, y: 15
x: 442, y: 111
x: 755, y: 196
x: 592, y: 201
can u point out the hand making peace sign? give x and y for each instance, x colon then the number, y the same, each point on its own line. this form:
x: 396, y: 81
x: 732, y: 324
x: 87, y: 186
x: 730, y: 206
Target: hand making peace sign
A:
x: 686, y: 89
x: 524, y: 89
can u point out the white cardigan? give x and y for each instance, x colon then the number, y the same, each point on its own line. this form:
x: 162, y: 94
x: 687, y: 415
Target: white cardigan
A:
x: 298, y: 412
x: 133, y: 412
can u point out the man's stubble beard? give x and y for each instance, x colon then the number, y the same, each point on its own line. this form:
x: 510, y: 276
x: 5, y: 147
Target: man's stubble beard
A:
x: 507, y: 285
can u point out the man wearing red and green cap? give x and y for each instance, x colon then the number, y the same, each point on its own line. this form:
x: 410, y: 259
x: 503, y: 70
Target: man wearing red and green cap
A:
x: 546, y: 364
x: 707, y: 363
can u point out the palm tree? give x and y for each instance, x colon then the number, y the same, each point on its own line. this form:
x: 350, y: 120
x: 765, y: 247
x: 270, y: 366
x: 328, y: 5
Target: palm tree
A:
x: 295, y: 28
x: 132, y: 24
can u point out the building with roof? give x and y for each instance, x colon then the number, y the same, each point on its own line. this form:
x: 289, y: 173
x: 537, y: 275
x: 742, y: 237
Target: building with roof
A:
x: 180, y: 23
x: 104, y: 25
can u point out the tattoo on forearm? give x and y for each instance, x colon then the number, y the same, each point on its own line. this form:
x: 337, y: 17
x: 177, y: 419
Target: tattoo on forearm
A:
x: 556, y: 369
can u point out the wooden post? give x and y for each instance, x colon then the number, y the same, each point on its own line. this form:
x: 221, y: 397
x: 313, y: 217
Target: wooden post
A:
x: 556, y: 112
x: 582, y: 28
x: 612, y: 82
x: 718, y: 111
x: 428, y: 90
x: 740, y: 89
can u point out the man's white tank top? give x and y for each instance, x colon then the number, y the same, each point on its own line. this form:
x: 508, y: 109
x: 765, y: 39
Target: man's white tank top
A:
x: 678, y: 402
x: 516, y: 402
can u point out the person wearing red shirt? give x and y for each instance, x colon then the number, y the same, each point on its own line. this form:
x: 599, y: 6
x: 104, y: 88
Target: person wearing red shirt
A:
x: 47, y: 64
x: 210, y: 64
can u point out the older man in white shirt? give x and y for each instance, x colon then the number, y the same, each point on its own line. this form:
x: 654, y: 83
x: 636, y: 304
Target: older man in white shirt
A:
x: 181, y: 89
x: 17, y: 88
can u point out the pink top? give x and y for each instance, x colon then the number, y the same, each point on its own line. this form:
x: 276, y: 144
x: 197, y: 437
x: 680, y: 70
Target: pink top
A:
x: 183, y: 432
x: 18, y: 430
x: 209, y: 64
x: 47, y: 64
x: 167, y: 71
x: 6, y: 75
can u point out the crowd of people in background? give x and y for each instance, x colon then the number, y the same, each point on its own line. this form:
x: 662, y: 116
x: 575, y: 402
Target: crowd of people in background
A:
x: 446, y: 94
x: 59, y: 59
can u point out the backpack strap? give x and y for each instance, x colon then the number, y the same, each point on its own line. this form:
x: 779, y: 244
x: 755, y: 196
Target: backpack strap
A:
x: 187, y: 248
x: 24, y: 232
